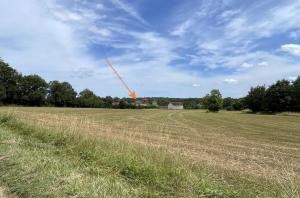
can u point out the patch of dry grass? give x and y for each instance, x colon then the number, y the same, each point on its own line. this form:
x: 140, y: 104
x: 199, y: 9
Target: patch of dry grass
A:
x: 4, y: 193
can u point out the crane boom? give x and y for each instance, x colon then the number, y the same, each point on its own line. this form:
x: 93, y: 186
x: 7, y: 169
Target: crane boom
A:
x: 132, y: 93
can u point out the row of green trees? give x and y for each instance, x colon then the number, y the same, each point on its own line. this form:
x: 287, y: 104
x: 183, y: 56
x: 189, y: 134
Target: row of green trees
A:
x: 32, y: 90
x: 281, y: 96
x: 214, y: 102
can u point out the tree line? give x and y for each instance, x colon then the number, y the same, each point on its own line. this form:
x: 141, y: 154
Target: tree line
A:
x: 33, y: 90
x: 280, y: 96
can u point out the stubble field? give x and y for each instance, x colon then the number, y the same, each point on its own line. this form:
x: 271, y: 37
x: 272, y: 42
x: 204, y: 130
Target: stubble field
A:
x: 148, y: 153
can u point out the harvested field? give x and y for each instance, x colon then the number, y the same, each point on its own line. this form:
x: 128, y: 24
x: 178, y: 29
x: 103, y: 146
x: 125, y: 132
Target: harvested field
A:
x: 260, y: 153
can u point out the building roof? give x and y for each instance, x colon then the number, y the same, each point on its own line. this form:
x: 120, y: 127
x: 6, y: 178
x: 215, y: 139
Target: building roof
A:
x: 164, y: 104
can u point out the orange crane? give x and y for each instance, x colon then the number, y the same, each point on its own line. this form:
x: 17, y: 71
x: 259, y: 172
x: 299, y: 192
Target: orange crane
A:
x: 132, y: 93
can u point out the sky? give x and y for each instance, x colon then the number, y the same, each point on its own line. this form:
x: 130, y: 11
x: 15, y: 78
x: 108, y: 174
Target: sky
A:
x: 171, y: 48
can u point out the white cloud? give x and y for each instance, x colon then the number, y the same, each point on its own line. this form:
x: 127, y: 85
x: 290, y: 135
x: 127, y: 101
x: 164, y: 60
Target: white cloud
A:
x: 128, y: 9
x: 234, y: 43
x: 227, y: 15
x: 151, y: 46
x: 233, y: 48
x: 83, y: 73
x: 196, y: 85
x: 41, y: 42
x: 292, y: 78
x: 182, y: 28
x: 211, y: 45
x: 279, y: 19
x: 230, y: 80
x: 65, y: 15
x: 247, y: 65
x: 295, y: 35
x: 263, y: 64
x: 100, y: 6
x: 101, y: 31
x: 293, y: 49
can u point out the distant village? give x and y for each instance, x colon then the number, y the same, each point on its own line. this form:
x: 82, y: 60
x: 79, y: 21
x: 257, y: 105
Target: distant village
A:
x: 163, y: 105
x: 158, y: 103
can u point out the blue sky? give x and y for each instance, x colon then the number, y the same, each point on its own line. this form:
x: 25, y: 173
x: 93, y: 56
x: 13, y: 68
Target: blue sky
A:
x: 169, y: 48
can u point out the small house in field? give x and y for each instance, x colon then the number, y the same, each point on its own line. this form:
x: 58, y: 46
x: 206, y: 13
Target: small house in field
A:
x: 163, y: 105
x: 146, y: 103
x: 175, y: 105
x: 172, y: 105
x: 142, y: 103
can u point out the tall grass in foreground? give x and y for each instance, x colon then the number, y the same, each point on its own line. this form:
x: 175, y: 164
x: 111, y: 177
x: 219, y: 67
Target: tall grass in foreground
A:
x: 43, y: 163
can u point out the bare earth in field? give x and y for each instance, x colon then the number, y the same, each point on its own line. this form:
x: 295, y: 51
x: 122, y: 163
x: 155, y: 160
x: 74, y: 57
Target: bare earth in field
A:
x: 265, y: 146
x: 3, y: 193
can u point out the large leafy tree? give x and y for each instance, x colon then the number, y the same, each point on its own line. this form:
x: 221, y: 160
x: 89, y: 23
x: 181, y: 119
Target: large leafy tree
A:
x: 255, y: 100
x: 123, y: 104
x: 2, y: 93
x: 9, y: 82
x: 296, y: 95
x: 33, y: 90
x: 191, y: 103
x: 228, y: 103
x: 238, y: 104
x: 213, y: 101
x: 88, y: 99
x: 279, y: 96
x: 61, y: 94
x: 108, y: 101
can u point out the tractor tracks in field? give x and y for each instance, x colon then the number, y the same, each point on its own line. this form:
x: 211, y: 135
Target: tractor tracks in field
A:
x: 215, y: 147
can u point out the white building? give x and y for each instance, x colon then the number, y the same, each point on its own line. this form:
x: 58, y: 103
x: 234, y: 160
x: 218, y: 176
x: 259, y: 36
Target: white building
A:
x: 172, y: 105
x: 175, y: 105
